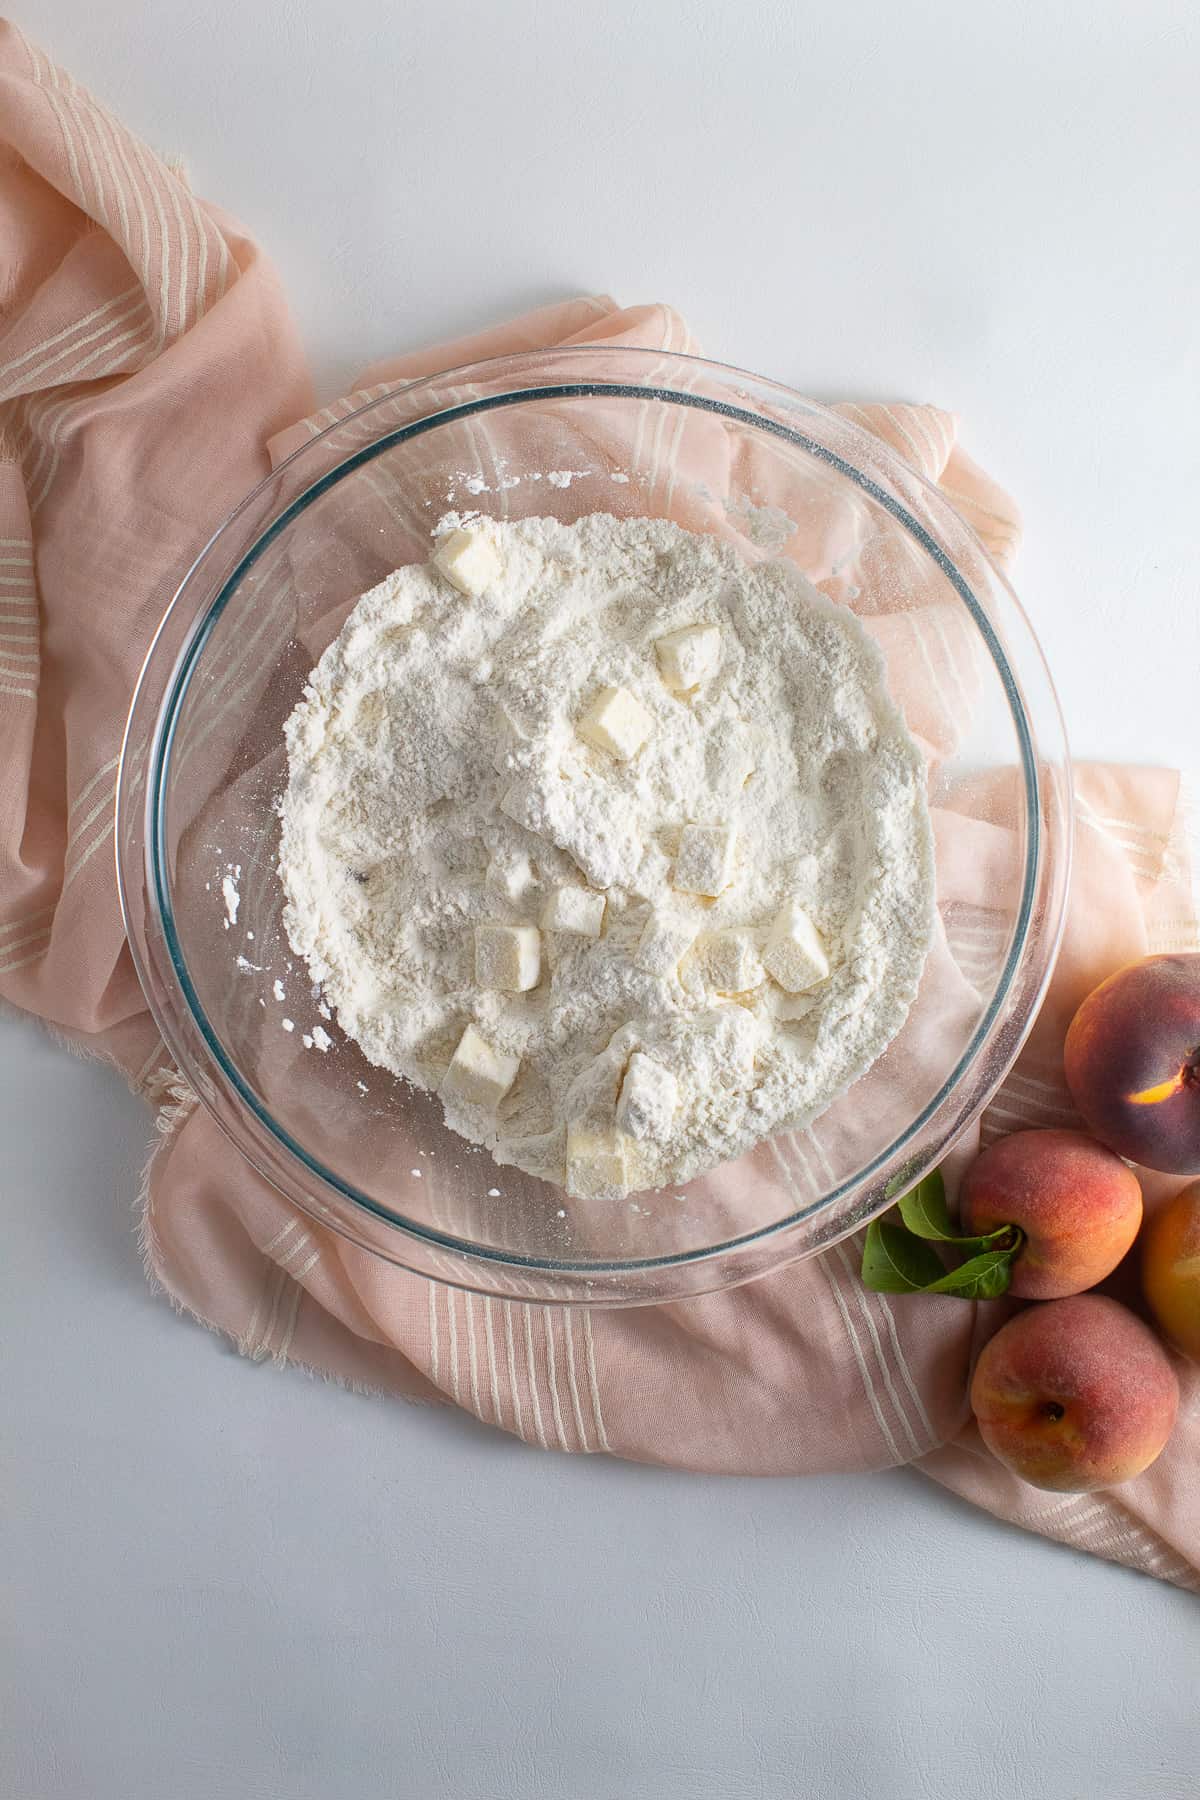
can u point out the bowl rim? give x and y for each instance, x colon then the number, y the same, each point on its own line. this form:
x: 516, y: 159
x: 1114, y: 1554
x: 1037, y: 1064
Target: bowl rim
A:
x: 473, y: 1254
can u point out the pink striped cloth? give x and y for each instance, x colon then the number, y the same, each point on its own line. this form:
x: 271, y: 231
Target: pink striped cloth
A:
x: 148, y: 374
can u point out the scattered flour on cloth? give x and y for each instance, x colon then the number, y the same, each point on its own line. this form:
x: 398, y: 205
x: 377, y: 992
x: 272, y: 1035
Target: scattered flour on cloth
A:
x: 437, y: 782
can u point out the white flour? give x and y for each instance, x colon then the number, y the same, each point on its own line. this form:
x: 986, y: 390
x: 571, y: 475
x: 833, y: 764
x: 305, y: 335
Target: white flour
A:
x: 438, y: 782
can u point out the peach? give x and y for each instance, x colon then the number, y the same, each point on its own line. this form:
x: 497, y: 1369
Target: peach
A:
x: 1075, y: 1394
x: 1133, y: 1063
x: 1079, y: 1206
x: 1171, y: 1269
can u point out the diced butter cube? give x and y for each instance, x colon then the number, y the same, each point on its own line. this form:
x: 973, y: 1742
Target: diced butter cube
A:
x: 729, y: 961
x: 508, y: 957
x: 704, y: 864
x: 688, y: 656
x: 479, y: 1075
x: 665, y: 941
x: 648, y: 1098
x: 468, y: 559
x: 511, y: 875
x: 574, y: 909
x: 794, y: 955
x: 616, y: 722
x: 596, y: 1167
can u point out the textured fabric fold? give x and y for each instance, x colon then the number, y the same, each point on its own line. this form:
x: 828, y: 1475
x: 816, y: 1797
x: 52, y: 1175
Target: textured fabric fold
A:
x: 149, y: 375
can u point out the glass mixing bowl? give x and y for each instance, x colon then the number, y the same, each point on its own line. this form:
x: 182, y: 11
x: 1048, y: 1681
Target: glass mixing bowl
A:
x: 570, y: 432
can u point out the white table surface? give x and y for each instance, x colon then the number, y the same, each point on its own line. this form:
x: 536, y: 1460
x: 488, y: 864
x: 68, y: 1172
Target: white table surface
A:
x: 226, y: 1581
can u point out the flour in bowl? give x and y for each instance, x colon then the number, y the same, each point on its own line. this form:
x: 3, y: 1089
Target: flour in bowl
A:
x: 612, y: 838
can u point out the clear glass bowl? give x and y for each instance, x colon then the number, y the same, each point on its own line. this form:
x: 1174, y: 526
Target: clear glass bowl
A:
x: 571, y: 432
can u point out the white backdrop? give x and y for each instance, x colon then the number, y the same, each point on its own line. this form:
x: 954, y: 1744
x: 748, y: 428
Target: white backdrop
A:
x: 224, y: 1581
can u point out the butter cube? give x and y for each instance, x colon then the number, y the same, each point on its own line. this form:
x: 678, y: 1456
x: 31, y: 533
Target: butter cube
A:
x: 794, y: 955
x: 648, y: 1098
x: 508, y: 957
x: 688, y: 656
x: 704, y: 864
x: 510, y: 875
x: 729, y: 961
x: 468, y: 559
x: 616, y: 722
x: 574, y: 909
x: 479, y: 1075
x: 665, y: 941
x: 596, y: 1168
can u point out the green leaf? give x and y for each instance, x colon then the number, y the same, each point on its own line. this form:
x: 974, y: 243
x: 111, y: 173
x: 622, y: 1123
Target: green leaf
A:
x: 926, y: 1214
x: 896, y: 1262
x: 981, y: 1277
x: 924, y: 1209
